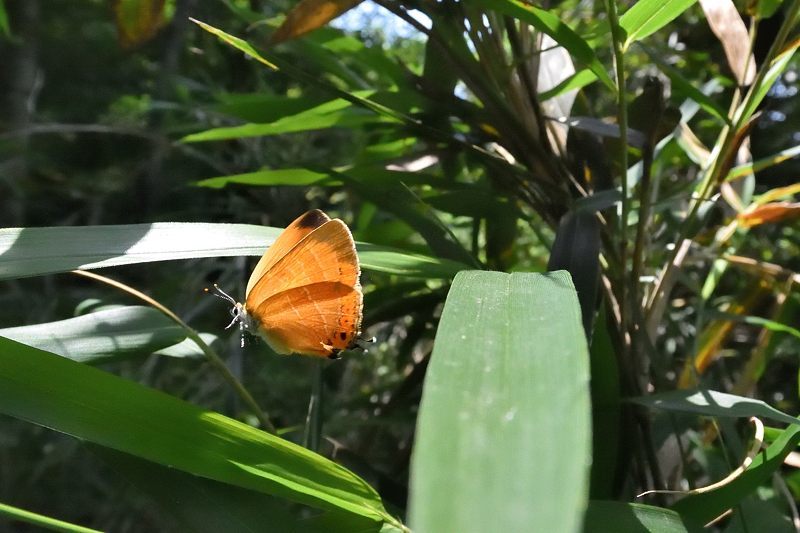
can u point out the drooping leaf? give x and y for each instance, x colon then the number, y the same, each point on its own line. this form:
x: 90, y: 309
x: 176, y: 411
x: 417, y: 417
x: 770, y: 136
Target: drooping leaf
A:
x: 730, y: 29
x: 713, y: 403
x: 509, y: 371
x: 770, y: 213
x: 92, y: 405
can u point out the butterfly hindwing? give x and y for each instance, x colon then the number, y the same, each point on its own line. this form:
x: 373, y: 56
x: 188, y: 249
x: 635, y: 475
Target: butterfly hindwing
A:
x: 318, y: 319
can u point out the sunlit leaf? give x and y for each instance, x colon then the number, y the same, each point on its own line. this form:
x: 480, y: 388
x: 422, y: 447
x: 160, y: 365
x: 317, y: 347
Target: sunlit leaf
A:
x: 26, y: 252
x: 728, y: 26
x: 509, y: 371
x: 648, y: 16
x: 236, y: 42
x: 770, y: 213
x: 93, y: 405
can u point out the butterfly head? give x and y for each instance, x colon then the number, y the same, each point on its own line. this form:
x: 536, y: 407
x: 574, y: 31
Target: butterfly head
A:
x: 238, y: 312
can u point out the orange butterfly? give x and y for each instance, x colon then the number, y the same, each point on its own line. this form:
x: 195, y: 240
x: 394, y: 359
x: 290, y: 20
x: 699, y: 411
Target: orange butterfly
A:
x: 304, y: 295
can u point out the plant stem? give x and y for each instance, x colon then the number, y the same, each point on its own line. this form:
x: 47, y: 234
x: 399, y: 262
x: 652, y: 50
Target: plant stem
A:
x: 210, y: 354
x: 313, y: 431
x: 622, y: 121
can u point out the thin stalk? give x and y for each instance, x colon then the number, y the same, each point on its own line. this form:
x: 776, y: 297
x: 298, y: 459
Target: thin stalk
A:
x: 622, y: 121
x: 210, y: 354
x: 45, y: 522
x: 313, y: 432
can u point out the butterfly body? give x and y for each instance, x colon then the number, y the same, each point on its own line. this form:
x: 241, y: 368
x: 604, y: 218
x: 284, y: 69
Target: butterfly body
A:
x: 304, y: 295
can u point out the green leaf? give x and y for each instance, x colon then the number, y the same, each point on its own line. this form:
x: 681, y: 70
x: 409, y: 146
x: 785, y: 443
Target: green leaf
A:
x: 26, y: 252
x: 765, y: 162
x: 302, y: 177
x: 702, y: 508
x: 98, y: 407
x: 204, y: 505
x: 95, y: 337
x: 578, y: 80
x: 548, y: 23
x: 621, y: 517
x: 503, y: 433
x: 759, y: 90
x: 646, y: 17
x: 337, y: 113
x: 236, y: 42
x: 5, y: 29
x: 713, y: 403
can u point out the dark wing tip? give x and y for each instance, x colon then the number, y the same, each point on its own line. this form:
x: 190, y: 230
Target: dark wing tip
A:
x: 312, y: 219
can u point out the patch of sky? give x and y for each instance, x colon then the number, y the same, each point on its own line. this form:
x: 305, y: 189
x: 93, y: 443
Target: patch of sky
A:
x: 372, y: 18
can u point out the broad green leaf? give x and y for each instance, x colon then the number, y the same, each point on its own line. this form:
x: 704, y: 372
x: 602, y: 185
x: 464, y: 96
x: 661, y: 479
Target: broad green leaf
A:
x: 92, y: 405
x: 702, y: 508
x: 713, y: 403
x: 98, y: 336
x: 261, y: 107
x: 44, y: 522
x: 646, y: 17
x: 187, y: 347
x: 26, y: 252
x: 621, y: 517
x: 503, y: 433
x: 548, y: 23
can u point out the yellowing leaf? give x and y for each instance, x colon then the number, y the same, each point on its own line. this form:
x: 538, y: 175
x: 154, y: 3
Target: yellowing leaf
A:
x: 769, y: 214
x: 309, y: 15
x: 137, y: 21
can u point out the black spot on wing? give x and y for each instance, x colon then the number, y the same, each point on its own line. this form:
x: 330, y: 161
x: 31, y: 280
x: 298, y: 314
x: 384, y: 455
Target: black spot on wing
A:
x: 313, y: 219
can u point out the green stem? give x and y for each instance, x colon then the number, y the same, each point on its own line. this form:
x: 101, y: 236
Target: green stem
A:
x: 45, y: 522
x: 622, y: 121
x: 313, y: 433
x: 210, y: 354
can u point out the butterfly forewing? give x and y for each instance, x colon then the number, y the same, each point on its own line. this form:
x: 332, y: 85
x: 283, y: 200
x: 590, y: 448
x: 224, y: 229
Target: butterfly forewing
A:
x: 288, y: 239
x: 326, y: 254
x: 318, y: 319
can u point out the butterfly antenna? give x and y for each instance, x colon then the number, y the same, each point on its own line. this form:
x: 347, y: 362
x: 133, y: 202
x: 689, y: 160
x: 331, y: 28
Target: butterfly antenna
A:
x: 222, y: 295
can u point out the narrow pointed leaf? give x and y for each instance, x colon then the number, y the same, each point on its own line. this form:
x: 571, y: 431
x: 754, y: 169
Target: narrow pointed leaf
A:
x: 648, y: 16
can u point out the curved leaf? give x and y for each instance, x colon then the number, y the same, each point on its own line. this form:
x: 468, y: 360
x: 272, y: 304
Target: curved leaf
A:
x: 92, y: 405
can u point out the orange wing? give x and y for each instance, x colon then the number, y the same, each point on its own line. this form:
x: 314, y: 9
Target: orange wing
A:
x: 319, y: 319
x: 293, y: 234
x: 325, y: 254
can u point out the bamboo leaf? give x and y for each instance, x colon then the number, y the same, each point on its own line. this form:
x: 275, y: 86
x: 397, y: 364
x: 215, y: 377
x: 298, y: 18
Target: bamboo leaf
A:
x: 648, y: 16
x: 92, y: 405
x: 713, y: 403
x: 26, y: 252
x: 509, y: 372
x: 621, y: 517
x: 110, y: 333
